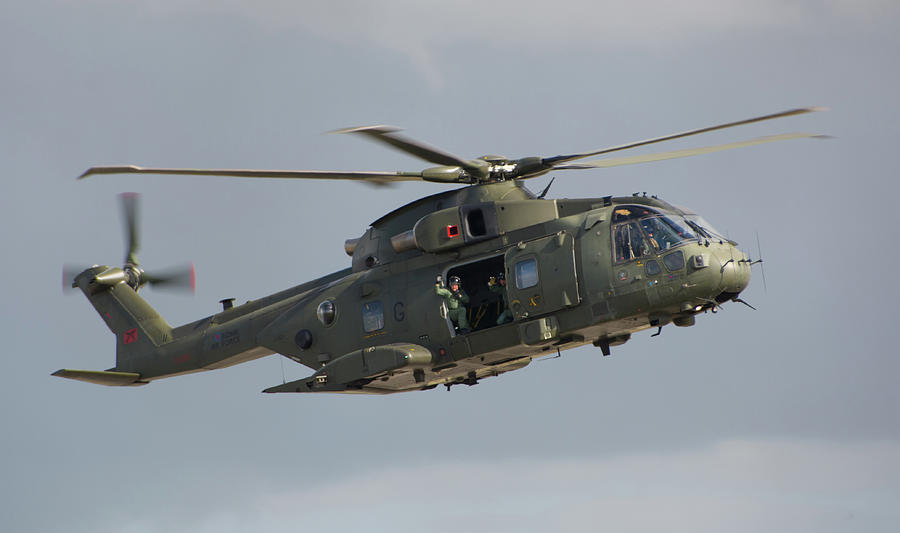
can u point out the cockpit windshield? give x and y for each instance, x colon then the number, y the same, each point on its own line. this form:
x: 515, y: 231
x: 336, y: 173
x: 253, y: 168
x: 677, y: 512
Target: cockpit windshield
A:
x: 639, y: 231
x: 704, y: 228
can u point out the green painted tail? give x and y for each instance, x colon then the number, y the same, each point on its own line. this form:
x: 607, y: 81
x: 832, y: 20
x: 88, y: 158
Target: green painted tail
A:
x: 138, y: 328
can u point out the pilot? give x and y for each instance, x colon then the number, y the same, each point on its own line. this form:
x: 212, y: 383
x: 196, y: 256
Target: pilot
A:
x: 456, y: 299
x: 497, y: 285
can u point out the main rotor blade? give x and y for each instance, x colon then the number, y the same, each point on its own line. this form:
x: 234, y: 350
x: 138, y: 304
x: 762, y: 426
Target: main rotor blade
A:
x: 554, y: 161
x: 130, y: 202
x: 646, y: 158
x: 378, y: 178
x: 388, y: 135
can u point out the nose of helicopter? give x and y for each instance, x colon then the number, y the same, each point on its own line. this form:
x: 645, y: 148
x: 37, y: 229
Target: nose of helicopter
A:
x: 734, y: 268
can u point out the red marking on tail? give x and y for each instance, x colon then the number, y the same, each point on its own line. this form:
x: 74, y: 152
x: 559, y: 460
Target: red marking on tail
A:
x: 130, y: 336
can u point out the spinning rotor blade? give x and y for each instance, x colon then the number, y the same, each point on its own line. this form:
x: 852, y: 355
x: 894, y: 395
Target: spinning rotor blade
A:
x: 178, y: 278
x: 378, y: 178
x: 131, y: 273
x: 455, y: 169
x: 388, y: 135
x: 646, y: 158
x: 69, y: 272
x: 130, y: 213
x: 558, y: 160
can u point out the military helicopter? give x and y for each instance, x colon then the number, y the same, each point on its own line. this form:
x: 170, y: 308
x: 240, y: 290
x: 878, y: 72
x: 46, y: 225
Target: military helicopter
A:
x: 575, y: 271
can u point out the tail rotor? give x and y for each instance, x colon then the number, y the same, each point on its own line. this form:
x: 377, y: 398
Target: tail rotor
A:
x: 180, y: 278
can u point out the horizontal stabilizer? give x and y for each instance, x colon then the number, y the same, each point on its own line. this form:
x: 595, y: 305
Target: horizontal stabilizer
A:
x: 102, y: 377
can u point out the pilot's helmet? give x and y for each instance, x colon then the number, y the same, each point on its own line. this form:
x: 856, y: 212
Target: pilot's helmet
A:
x: 454, y: 280
x: 501, y: 276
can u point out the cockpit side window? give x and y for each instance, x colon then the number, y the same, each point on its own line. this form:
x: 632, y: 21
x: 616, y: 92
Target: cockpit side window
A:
x: 639, y: 231
x: 629, y: 242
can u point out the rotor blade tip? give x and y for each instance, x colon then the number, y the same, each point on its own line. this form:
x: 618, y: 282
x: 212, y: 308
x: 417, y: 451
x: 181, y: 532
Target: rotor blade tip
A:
x: 377, y: 128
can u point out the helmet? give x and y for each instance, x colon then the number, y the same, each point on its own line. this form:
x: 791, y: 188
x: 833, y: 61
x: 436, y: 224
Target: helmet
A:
x: 501, y: 276
x: 454, y: 280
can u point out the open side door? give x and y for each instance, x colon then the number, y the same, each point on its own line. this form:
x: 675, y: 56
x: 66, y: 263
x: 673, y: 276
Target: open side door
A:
x: 541, y: 276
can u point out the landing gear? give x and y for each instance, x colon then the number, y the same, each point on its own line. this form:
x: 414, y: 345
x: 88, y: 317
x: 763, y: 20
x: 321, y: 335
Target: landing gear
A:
x: 604, y: 343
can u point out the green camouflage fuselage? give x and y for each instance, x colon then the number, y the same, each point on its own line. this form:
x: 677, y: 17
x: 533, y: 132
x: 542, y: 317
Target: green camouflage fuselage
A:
x: 578, y: 271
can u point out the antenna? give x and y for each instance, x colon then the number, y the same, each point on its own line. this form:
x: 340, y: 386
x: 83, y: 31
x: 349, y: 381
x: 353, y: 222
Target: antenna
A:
x: 546, y: 189
x: 762, y: 268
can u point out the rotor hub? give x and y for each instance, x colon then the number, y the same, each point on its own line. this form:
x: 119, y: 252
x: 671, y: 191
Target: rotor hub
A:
x: 134, y: 276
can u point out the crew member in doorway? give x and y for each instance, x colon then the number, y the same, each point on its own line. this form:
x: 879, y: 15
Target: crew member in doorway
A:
x: 497, y: 285
x: 457, y: 300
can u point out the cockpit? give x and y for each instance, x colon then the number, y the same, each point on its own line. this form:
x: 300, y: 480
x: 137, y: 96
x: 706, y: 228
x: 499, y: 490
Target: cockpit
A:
x: 640, y: 231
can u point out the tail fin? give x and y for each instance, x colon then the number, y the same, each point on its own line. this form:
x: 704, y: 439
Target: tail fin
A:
x: 139, y: 329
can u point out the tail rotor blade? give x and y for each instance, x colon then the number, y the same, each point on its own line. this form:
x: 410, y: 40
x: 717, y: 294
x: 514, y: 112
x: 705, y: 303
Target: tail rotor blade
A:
x: 69, y: 271
x: 130, y: 201
x: 181, y: 278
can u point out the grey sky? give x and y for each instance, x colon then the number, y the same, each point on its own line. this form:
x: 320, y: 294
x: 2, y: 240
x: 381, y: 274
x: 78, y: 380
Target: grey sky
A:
x: 793, y: 427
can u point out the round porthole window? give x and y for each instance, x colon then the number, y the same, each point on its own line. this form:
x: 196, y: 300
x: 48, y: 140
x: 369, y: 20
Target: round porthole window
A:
x: 326, y: 312
x: 304, y: 339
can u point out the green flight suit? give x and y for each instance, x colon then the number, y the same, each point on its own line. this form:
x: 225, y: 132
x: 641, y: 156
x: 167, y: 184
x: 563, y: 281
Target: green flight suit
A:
x: 506, y: 315
x: 456, y: 306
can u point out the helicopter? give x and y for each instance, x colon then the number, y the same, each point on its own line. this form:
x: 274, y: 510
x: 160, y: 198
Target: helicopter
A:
x: 528, y: 277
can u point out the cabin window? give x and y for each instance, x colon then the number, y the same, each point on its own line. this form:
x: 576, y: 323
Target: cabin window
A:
x: 653, y: 268
x: 373, y: 316
x: 526, y: 273
x: 326, y: 312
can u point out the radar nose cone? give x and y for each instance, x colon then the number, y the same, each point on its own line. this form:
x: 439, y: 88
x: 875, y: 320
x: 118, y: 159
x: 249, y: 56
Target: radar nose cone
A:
x: 735, y: 273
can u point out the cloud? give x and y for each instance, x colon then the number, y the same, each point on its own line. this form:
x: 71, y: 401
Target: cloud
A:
x: 733, y: 486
